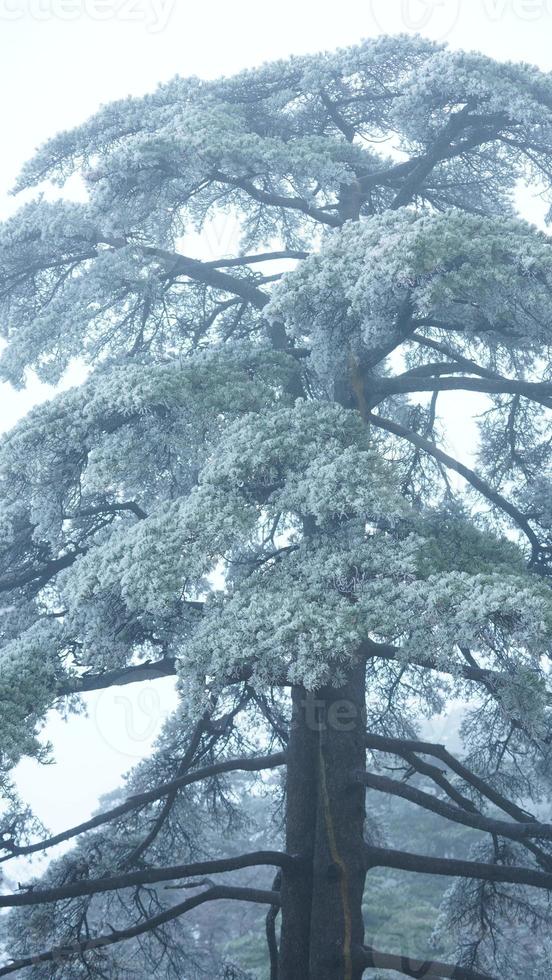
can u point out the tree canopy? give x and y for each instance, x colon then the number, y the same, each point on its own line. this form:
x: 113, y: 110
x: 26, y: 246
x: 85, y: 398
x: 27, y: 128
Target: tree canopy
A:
x: 253, y: 491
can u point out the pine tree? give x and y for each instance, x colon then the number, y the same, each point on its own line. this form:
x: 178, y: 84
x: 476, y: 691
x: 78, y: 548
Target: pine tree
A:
x: 252, y: 491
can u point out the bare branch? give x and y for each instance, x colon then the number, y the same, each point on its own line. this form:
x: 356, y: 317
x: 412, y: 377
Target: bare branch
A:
x: 403, y: 384
x: 179, y: 264
x: 150, y: 671
x: 479, y: 675
x: 514, y: 831
x: 254, y: 764
x: 240, y: 260
x: 212, y: 894
x: 386, y: 744
x: 130, y: 879
x: 374, y: 959
x: 472, y: 367
x: 382, y: 857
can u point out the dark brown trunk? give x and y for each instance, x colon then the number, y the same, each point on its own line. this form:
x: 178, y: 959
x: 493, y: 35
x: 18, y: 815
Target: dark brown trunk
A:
x: 301, y: 793
x: 322, y: 902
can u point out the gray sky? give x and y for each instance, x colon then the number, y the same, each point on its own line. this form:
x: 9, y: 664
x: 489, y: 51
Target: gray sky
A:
x: 61, y: 59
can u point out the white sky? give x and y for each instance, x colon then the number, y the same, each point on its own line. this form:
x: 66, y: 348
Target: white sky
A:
x: 61, y: 59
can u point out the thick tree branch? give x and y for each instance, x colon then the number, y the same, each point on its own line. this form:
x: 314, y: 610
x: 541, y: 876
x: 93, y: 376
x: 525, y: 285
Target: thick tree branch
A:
x: 212, y: 894
x: 253, y: 764
x: 178, y: 264
x: 477, y: 821
x: 443, y: 148
x: 414, y: 170
x: 115, y: 508
x: 479, y: 675
x: 43, y: 574
x: 382, y: 857
x: 150, y: 671
x: 407, y: 383
x: 241, y: 260
x: 131, y: 879
x: 384, y: 743
x: 424, y: 768
x: 469, y: 475
x: 278, y: 200
x: 372, y: 958
x: 472, y: 367
x: 402, y: 748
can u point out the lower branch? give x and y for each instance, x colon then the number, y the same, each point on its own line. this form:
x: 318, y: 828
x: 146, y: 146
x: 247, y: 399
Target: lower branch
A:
x: 91, y: 886
x: 387, y: 744
x: 383, y: 857
x: 270, y: 926
x: 212, y: 894
x: 254, y: 764
x: 375, y: 959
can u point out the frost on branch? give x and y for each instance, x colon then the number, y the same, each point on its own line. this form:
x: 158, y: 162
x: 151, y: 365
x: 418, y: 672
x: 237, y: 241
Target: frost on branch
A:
x: 276, y: 280
x: 488, y: 279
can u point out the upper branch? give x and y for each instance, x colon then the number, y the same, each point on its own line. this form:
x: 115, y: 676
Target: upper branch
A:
x: 403, y: 384
x: 479, y: 675
x: 469, y: 475
x: 151, y: 670
x: 254, y: 764
x: 514, y: 831
x: 278, y: 200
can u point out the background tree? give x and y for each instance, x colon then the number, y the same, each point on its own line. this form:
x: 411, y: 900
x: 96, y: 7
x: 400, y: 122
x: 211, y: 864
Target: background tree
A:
x: 252, y: 491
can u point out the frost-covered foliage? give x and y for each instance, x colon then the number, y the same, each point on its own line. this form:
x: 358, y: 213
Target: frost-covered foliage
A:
x: 489, y: 278
x: 253, y: 486
x: 291, y: 134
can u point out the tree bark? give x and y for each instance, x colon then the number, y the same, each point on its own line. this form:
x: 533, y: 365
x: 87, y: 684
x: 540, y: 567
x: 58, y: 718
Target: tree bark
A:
x: 301, y: 793
x: 322, y: 902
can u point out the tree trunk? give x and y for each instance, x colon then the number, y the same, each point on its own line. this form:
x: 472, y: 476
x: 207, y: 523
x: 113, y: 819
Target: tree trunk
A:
x: 322, y: 901
x: 301, y: 793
